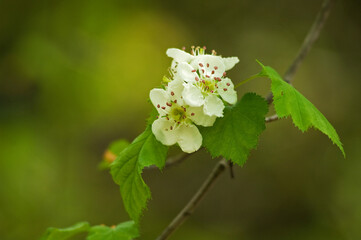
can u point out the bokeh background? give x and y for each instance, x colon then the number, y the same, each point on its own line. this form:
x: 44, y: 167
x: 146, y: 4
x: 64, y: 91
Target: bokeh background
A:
x: 75, y: 75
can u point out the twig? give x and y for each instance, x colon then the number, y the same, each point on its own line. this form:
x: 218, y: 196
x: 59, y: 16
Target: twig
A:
x: 309, y: 40
x: 271, y: 118
x: 172, y: 161
x: 193, y: 203
x: 222, y: 164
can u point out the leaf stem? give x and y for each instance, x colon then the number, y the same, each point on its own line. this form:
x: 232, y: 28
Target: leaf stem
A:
x: 246, y: 80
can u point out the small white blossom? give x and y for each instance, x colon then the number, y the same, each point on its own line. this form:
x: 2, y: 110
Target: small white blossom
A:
x: 176, y: 120
x: 205, y: 81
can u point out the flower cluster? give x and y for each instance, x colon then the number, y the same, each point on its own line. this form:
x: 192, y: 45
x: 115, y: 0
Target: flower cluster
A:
x: 195, y: 94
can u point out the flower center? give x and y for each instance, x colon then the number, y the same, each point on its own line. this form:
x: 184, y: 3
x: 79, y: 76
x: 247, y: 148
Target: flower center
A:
x: 178, y: 113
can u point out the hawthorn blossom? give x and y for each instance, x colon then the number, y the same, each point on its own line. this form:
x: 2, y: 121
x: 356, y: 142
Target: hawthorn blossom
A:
x: 176, y: 120
x: 205, y: 82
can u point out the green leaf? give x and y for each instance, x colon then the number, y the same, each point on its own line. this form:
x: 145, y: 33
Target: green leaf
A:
x: 65, y: 233
x: 114, y: 149
x: 236, y: 134
x: 123, y: 231
x: 126, y: 170
x: 289, y: 102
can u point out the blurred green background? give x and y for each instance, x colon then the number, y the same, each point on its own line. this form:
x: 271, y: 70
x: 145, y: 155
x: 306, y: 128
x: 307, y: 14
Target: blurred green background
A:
x: 75, y: 75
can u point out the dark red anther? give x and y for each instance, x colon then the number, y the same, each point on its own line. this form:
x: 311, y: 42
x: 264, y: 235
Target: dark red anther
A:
x: 171, y: 127
x: 175, y: 101
x: 207, y: 64
x: 158, y: 106
x: 203, y: 81
x: 224, y: 89
x: 215, y: 67
x: 167, y: 118
x: 213, y: 72
x: 202, y: 70
x: 194, y: 70
x: 197, y: 79
x: 207, y: 76
x: 163, y: 108
x: 224, y: 74
x: 212, y: 91
x: 172, y: 93
x: 228, y: 84
x: 200, y: 64
x: 169, y: 104
x: 192, y: 114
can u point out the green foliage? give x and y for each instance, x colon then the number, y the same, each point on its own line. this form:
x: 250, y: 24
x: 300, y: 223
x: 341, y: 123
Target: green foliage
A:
x: 65, y: 233
x: 124, y: 231
x: 289, y: 102
x: 126, y: 170
x: 236, y: 134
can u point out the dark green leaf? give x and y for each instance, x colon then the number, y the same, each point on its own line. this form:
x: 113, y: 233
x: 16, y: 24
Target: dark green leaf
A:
x: 289, y: 102
x: 236, y: 134
x: 126, y: 170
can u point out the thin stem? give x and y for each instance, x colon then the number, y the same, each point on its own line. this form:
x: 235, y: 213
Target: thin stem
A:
x: 309, y: 40
x: 246, y: 80
x: 194, y: 202
x: 172, y: 161
x: 271, y: 118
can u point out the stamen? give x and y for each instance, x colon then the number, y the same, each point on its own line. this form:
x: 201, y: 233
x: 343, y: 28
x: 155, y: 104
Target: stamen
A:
x: 215, y: 67
x: 207, y: 76
x: 183, y: 48
x: 212, y: 91
x: 192, y: 114
x: 171, y: 127
x: 203, y: 81
x: 207, y: 65
x: 200, y: 64
x: 225, y: 89
x: 172, y: 93
x: 163, y: 108
x: 175, y: 101
x: 213, y: 72
x: 224, y: 74
x: 228, y: 84
x: 169, y: 104
x: 167, y: 118
x: 158, y: 106
x: 197, y: 79
x: 194, y: 70
x: 202, y: 70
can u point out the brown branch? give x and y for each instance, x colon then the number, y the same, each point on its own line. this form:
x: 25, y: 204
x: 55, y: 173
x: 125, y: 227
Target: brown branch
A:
x: 309, y: 40
x: 196, y: 199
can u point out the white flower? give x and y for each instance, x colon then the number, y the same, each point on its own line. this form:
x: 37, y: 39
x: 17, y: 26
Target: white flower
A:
x: 205, y: 81
x: 176, y: 120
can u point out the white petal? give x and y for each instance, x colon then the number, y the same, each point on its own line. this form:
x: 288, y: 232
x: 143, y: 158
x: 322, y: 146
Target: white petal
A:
x: 230, y: 62
x: 164, y: 131
x: 212, y: 65
x: 213, y: 106
x: 184, y: 71
x: 189, y: 138
x: 192, y: 95
x: 226, y: 90
x: 197, y: 115
x: 179, y: 55
x: 175, y: 88
x: 159, y: 98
